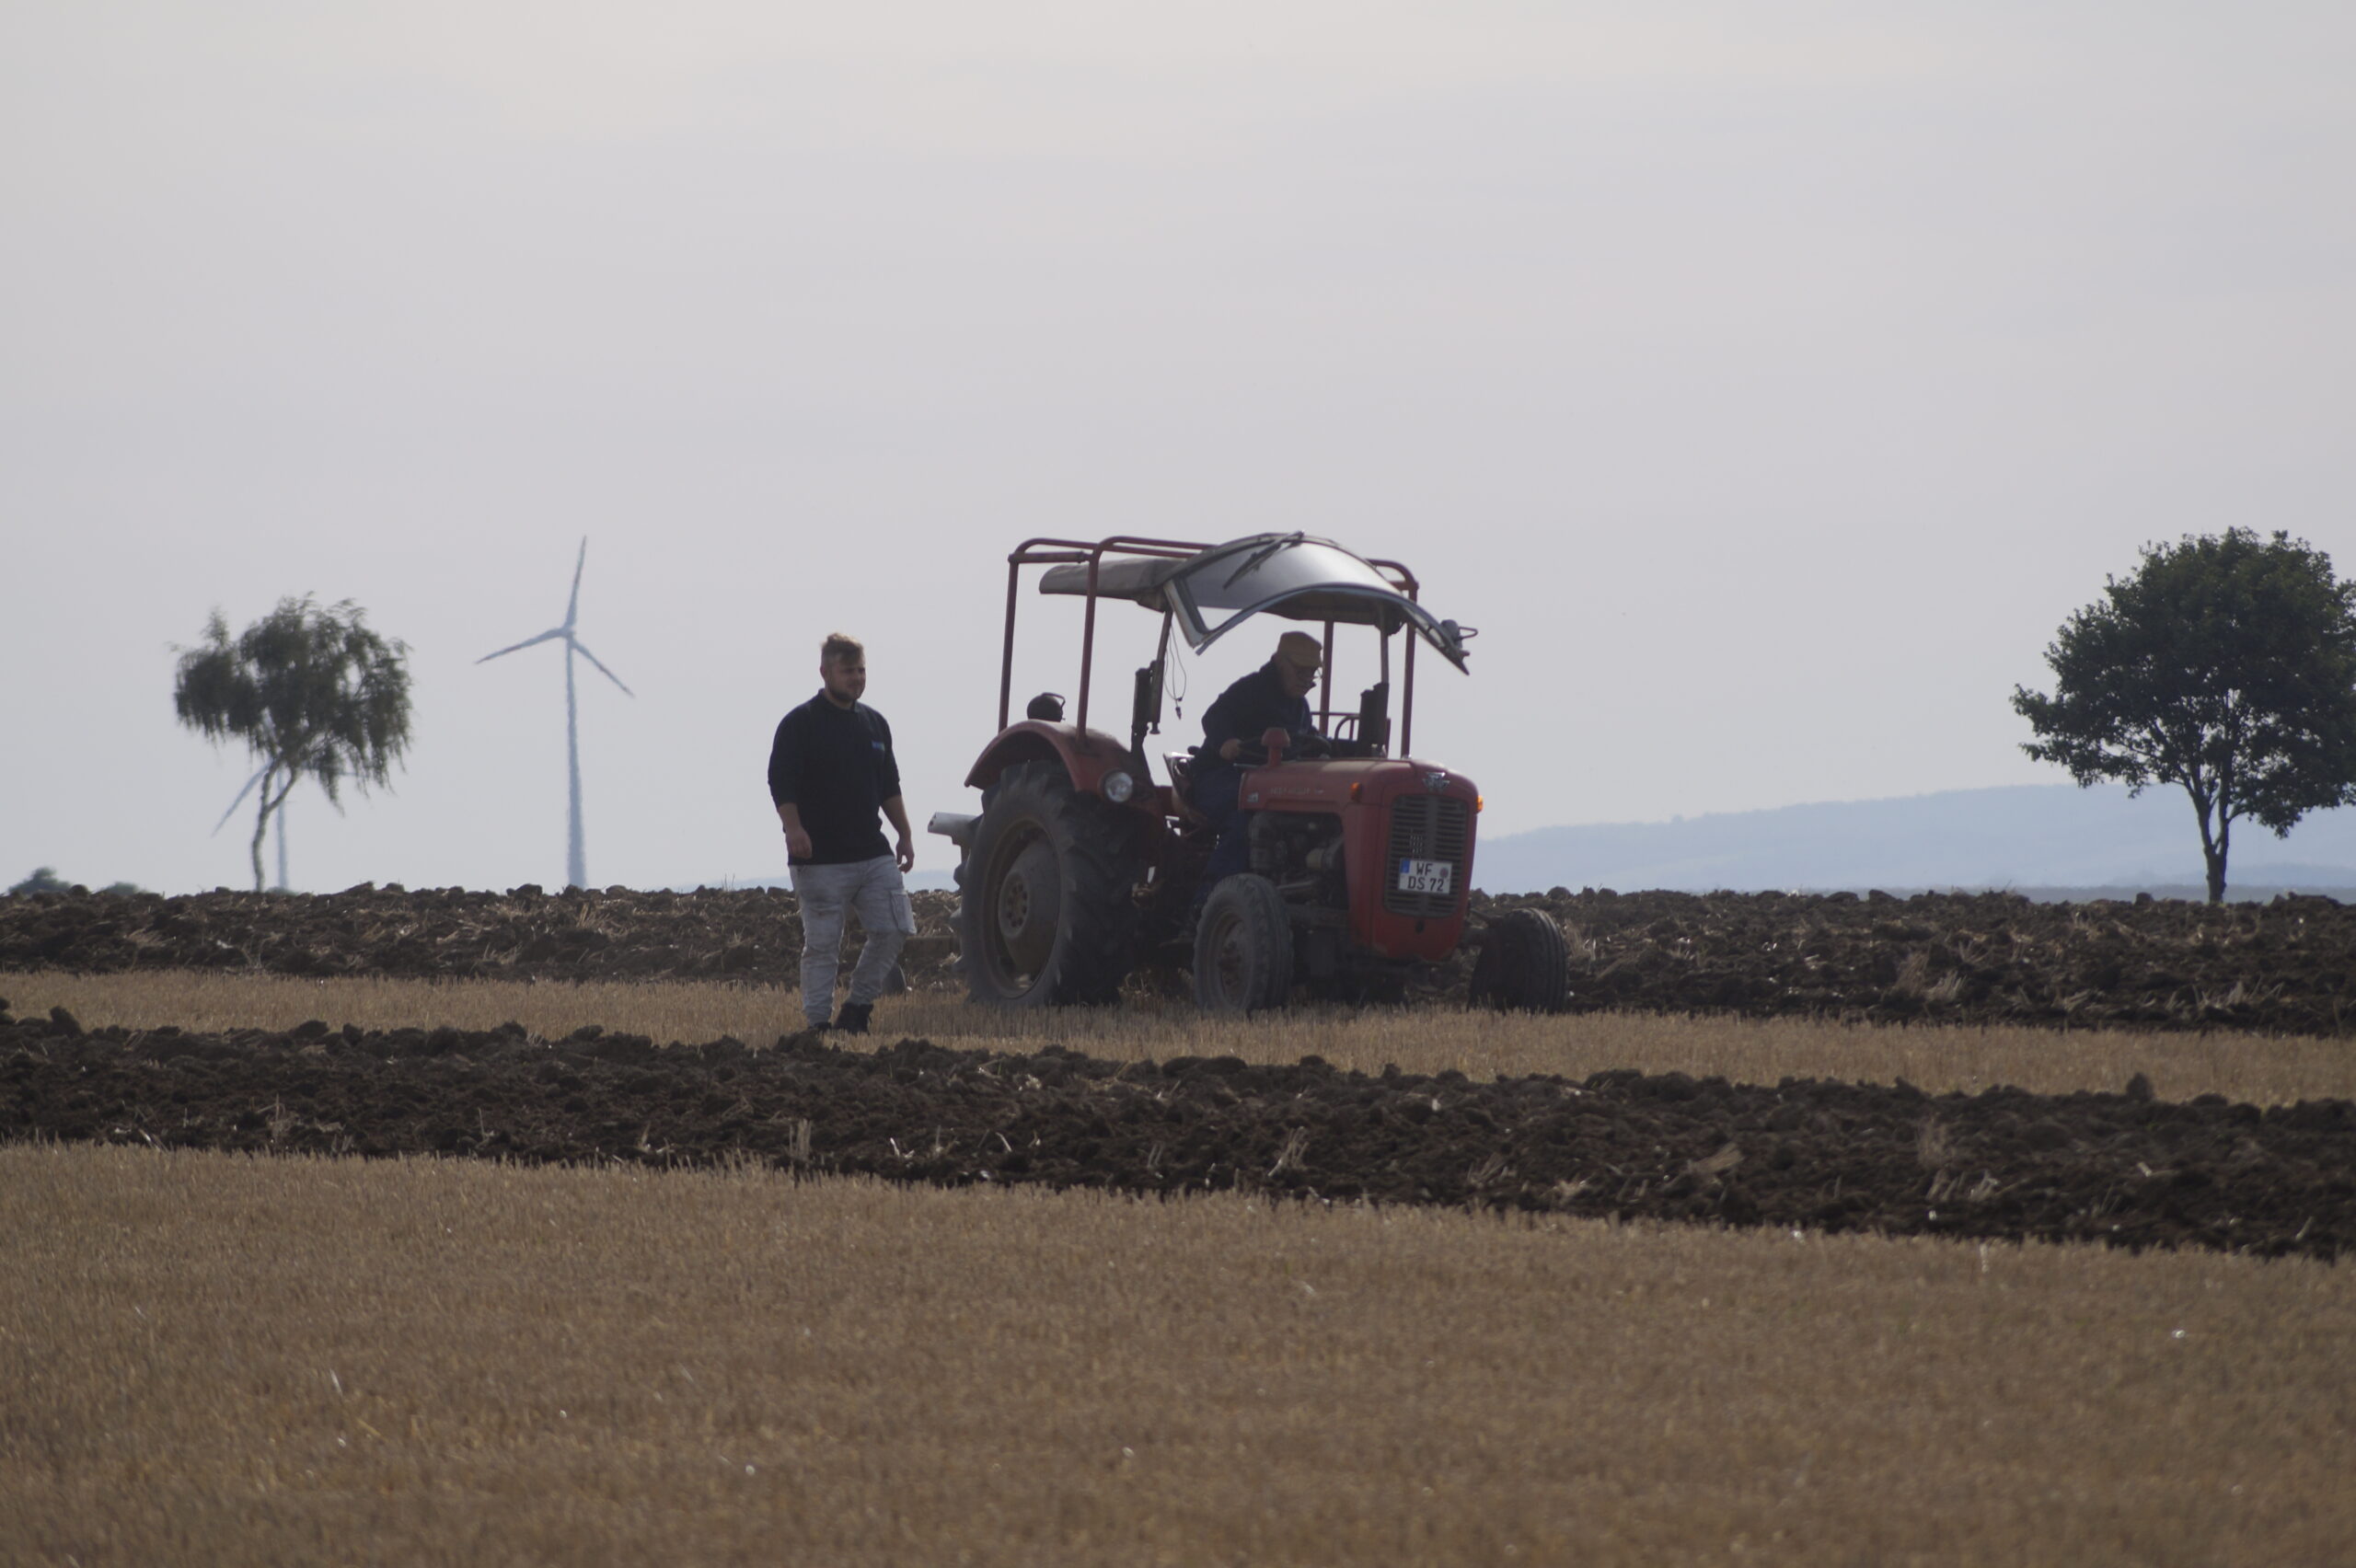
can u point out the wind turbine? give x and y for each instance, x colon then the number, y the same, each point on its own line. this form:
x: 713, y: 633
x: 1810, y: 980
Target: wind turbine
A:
x: 576, y: 872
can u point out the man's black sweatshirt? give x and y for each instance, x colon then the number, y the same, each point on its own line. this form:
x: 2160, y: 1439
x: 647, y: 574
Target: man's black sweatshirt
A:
x: 834, y: 765
x: 1251, y: 707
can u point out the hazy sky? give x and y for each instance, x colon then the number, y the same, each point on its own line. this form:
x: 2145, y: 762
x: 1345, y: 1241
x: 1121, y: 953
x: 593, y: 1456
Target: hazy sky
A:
x: 1766, y: 382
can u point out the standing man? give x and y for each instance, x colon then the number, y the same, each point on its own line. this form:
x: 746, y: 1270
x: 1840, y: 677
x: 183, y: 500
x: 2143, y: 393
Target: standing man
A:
x: 1274, y: 696
x: 831, y: 770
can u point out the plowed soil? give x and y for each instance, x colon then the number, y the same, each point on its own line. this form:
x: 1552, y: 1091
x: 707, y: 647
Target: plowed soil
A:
x: 444, y: 934
x: 2287, y: 967
x: 2123, y: 1169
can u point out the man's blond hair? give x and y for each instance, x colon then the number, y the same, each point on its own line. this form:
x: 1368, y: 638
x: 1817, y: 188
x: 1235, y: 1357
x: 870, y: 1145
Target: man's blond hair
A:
x: 839, y: 646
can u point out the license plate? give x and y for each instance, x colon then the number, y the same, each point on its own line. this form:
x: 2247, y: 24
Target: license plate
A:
x: 1426, y: 876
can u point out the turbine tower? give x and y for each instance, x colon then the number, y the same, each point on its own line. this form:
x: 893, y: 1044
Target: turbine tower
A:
x: 576, y: 872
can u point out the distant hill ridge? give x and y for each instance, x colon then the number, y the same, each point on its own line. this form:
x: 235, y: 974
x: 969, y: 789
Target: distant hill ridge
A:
x: 2045, y: 840
x: 2032, y: 838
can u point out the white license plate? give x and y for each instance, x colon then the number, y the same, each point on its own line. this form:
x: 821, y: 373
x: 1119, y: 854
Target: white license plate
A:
x: 1426, y: 876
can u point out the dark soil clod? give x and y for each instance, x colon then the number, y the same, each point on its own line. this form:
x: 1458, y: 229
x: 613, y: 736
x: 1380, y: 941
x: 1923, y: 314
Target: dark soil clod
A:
x: 1810, y: 1156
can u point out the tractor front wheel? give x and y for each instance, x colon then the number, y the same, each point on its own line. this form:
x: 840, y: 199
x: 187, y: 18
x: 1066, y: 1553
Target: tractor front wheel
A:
x: 1243, y: 948
x: 1524, y: 965
x: 1046, y: 913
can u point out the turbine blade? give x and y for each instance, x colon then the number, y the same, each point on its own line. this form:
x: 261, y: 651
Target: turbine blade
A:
x: 572, y: 606
x: 553, y: 631
x: 601, y: 668
x: 239, y: 801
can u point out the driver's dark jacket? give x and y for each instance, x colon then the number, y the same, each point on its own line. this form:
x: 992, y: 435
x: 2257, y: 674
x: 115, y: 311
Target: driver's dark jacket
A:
x: 1251, y: 706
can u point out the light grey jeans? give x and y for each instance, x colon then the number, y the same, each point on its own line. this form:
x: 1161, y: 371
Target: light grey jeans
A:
x: 873, y: 890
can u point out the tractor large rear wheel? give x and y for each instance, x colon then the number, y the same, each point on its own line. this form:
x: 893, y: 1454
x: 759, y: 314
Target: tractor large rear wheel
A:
x: 1046, y: 915
x: 1524, y: 966
x: 1243, y: 948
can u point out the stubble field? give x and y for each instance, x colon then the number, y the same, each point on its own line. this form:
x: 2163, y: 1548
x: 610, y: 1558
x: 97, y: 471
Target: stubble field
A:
x: 217, y: 1359
x: 646, y: 1280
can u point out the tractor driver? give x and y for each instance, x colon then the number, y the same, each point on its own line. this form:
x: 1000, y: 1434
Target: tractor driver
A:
x: 1274, y: 696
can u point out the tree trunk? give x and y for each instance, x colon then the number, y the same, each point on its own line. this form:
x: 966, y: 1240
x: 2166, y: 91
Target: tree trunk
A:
x: 2217, y: 859
x: 2213, y: 844
x: 269, y: 803
x: 262, y: 821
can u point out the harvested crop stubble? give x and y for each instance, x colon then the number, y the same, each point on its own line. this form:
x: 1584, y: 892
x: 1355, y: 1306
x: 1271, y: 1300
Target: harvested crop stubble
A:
x: 289, y: 1361
x: 2287, y: 967
x: 2125, y: 1169
x: 2261, y: 1069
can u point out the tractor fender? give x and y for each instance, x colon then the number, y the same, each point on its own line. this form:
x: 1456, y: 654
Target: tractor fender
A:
x: 1085, y: 755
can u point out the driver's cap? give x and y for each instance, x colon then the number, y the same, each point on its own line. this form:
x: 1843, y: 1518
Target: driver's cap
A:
x: 1300, y: 650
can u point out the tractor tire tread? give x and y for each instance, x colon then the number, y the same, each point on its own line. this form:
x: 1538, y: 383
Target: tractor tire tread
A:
x: 1098, y: 850
x: 1266, y: 930
x: 1525, y: 965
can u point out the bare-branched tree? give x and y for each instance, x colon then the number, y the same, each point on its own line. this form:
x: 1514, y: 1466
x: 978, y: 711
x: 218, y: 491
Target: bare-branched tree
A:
x: 312, y: 693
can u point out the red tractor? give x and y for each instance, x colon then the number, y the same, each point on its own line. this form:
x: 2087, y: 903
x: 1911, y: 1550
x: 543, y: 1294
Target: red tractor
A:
x: 1080, y: 865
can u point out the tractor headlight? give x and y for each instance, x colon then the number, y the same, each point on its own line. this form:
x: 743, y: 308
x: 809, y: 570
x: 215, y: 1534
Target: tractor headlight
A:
x: 1119, y: 787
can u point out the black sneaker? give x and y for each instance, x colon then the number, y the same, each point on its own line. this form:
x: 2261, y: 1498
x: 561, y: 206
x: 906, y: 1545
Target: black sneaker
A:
x: 853, y: 1019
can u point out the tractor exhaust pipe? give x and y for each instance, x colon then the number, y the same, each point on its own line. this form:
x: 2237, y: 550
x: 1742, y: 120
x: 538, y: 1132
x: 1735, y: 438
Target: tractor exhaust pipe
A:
x: 955, y: 826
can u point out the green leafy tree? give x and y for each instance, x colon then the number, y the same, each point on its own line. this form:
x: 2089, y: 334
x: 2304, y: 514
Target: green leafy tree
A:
x: 2226, y: 665
x: 312, y: 693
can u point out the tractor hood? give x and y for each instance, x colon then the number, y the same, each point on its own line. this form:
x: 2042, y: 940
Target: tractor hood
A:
x: 1292, y: 575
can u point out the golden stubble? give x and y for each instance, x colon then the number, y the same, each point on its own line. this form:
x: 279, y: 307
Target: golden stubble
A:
x: 2261, y: 1069
x: 211, y: 1358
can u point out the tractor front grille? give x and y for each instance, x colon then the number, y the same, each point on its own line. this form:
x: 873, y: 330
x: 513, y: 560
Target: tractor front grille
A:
x: 1427, y: 827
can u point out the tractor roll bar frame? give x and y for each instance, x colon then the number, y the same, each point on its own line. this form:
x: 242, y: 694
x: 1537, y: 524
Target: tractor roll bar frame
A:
x: 1047, y: 551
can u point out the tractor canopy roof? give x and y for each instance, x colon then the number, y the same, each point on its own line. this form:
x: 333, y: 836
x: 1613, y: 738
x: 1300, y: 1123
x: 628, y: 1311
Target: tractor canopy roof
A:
x: 1293, y: 575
